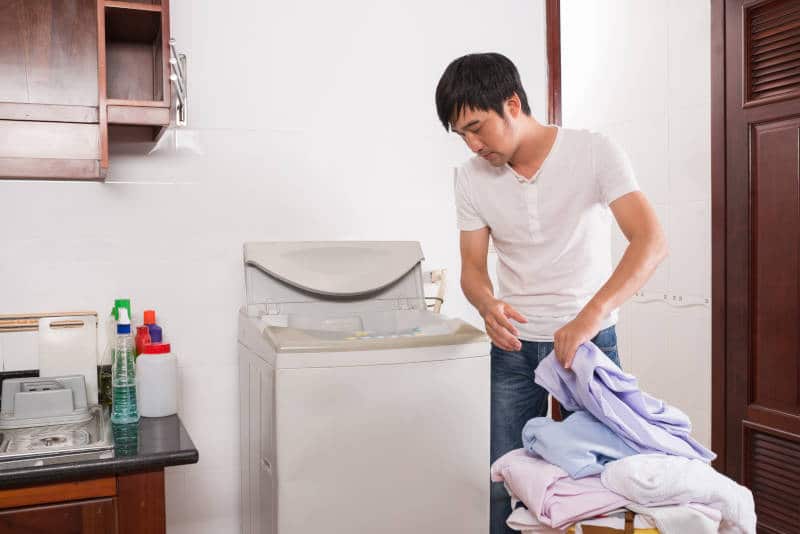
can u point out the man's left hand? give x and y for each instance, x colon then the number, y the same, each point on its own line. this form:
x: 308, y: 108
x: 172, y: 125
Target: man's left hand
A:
x: 569, y: 337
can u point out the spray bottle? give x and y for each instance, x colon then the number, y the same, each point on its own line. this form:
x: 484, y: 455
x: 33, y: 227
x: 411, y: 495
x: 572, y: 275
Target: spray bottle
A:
x: 123, y: 373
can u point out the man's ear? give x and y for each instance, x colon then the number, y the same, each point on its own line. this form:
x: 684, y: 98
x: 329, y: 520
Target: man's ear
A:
x: 513, y: 106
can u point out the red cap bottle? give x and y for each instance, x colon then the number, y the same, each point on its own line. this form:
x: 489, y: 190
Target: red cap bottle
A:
x: 142, y: 338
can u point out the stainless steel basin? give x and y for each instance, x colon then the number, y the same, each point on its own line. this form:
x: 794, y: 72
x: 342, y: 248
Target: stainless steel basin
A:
x: 52, y: 444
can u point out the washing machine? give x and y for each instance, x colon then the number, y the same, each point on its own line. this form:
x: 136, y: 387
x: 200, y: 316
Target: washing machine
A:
x: 361, y: 411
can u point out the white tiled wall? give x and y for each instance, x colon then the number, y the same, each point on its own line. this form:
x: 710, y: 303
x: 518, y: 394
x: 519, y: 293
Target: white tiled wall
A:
x: 639, y: 71
x: 307, y: 121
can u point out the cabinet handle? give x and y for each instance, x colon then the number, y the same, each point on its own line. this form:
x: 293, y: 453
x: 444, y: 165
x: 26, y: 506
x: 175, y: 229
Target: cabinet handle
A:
x: 178, y: 77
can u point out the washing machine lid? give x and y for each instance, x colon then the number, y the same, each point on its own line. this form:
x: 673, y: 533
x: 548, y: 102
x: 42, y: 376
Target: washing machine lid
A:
x: 335, y: 268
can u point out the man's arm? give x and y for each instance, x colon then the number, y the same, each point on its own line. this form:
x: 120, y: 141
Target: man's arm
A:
x: 647, y: 247
x: 477, y: 287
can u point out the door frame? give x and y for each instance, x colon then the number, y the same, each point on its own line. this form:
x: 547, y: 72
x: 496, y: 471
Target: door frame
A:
x: 553, y: 48
x: 718, y: 237
x: 553, y: 32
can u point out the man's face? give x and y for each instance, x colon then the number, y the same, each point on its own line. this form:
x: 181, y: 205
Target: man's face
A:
x: 487, y: 134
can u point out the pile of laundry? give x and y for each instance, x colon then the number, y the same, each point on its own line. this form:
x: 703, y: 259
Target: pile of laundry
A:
x: 620, y: 449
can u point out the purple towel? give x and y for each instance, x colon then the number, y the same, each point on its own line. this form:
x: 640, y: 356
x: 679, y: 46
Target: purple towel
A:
x: 596, y: 384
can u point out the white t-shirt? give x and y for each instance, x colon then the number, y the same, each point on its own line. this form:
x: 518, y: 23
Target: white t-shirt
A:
x: 552, y: 233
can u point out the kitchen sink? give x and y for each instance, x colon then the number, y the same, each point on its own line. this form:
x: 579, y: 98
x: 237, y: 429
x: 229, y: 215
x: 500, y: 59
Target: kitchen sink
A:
x: 53, y: 444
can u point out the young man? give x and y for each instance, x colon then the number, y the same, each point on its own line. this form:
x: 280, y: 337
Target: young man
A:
x: 545, y: 195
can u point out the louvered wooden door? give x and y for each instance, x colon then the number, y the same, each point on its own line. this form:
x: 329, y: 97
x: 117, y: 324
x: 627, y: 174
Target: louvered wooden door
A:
x: 757, y: 189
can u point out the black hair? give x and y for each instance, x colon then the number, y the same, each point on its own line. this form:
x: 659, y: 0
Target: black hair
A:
x: 478, y: 81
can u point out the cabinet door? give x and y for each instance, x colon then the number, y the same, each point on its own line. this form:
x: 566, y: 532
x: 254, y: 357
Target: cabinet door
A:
x: 49, y: 99
x: 98, y: 516
x: 48, y: 53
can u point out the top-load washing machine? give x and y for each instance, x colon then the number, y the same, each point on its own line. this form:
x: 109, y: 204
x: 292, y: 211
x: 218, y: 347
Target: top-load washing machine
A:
x: 361, y: 411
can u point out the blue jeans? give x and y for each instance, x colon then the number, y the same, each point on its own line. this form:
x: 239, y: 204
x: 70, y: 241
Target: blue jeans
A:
x: 516, y: 398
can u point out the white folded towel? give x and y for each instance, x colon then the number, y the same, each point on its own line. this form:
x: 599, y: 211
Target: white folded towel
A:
x: 653, y: 478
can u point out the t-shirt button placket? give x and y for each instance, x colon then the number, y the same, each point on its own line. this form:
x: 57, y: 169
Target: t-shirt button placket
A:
x: 532, y: 195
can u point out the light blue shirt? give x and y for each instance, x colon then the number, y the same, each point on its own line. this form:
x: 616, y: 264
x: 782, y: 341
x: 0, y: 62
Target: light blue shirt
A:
x: 580, y: 445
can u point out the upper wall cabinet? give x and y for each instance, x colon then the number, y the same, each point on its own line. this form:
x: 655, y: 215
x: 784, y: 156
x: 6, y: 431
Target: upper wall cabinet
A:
x: 74, y: 75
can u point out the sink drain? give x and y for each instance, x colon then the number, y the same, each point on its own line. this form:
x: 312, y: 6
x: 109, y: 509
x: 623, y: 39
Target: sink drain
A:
x: 51, y: 441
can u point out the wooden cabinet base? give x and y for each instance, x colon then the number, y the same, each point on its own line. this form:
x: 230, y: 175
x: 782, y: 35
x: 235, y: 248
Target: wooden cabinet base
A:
x: 98, y: 516
x: 125, y: 504
x: 54, y: 493
x: 140, y: 503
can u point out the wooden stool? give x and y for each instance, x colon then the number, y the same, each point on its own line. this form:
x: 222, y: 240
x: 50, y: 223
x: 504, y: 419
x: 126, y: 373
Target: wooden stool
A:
x: 589, y: 529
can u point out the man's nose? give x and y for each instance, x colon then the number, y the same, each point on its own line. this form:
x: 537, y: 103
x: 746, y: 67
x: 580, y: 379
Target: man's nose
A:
x: 473, y: 142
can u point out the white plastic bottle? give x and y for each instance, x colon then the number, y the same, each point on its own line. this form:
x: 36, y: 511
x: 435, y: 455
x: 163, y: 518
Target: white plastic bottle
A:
x: 157, y: 381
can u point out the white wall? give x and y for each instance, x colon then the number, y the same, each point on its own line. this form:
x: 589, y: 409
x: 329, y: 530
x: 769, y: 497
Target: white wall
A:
x: 308, y: 120
x: 640, y: 72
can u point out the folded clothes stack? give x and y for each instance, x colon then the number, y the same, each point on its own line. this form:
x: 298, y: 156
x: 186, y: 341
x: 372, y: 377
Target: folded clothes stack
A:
x: 621, y: 449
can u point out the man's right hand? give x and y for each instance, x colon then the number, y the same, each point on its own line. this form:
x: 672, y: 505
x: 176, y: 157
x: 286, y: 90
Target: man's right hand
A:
x: 496, y: 315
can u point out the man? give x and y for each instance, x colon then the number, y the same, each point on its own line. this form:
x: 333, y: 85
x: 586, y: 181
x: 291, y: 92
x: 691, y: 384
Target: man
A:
x: 545, y: 195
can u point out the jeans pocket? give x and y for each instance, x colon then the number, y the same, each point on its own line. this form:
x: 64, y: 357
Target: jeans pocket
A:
x: 606, y: 340
x: 497, y: 352
x: 518, y: 362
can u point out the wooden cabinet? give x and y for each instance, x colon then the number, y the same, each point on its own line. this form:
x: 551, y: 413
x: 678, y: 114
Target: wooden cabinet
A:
x: 49, y: 114
x: 74, y: 74
x: 97, y: 516
x: 123, y: 504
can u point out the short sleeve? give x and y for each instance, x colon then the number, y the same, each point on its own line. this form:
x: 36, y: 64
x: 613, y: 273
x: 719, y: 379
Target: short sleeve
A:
x: 467, y: 217
x: 613, y: 170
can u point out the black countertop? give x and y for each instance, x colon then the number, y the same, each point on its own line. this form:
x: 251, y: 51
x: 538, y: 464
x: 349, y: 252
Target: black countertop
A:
x: 152, y: 443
